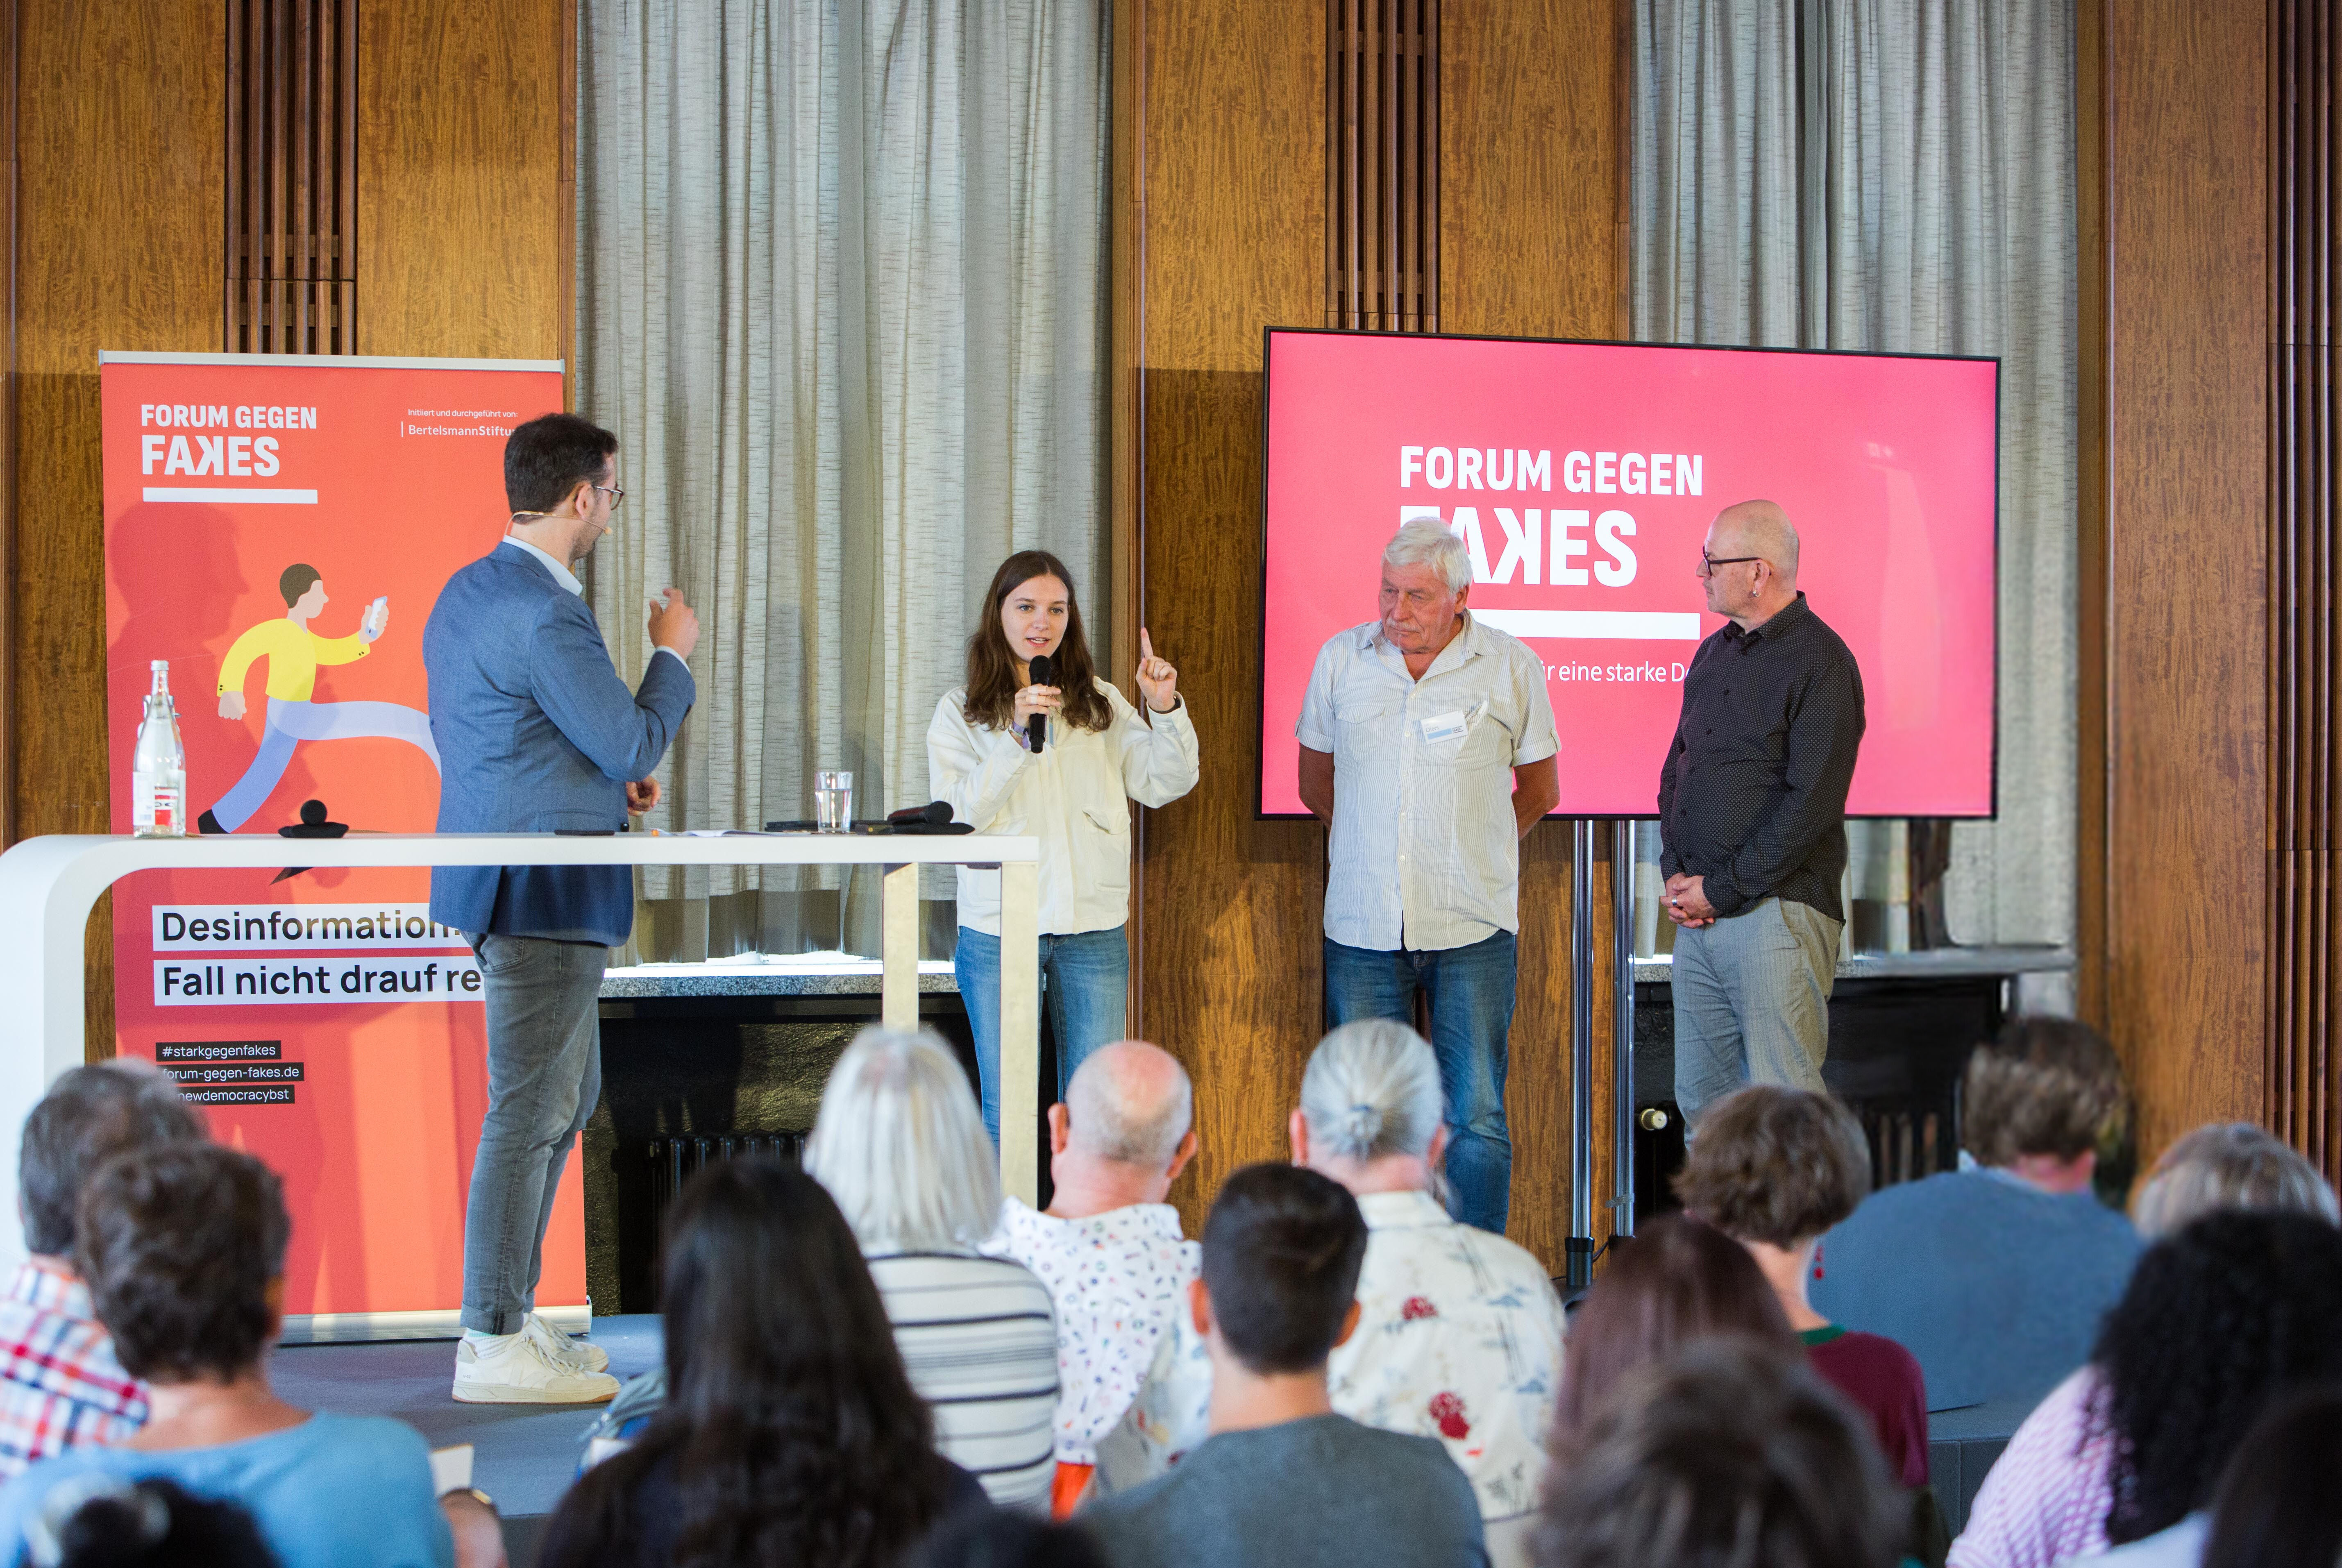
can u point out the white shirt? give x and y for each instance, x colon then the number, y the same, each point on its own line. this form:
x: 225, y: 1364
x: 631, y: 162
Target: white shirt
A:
x: 1073, y: 797
x: 1426, y: 853
x: 568, y: 580
x: 1117, y: 1280
x: 1459, y: 1338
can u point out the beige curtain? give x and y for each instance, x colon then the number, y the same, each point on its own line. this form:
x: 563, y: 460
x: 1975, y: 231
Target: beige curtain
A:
x: 1899, y: 175
x: 841, y: 293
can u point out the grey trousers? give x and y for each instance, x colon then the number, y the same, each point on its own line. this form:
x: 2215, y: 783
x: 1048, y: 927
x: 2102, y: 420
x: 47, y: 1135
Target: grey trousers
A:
x: 544, y: 1075
x: 1752, y: 1002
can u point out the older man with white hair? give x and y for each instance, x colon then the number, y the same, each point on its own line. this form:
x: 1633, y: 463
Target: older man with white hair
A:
x: 1459, y: 1332
x: 1108, y: 1247
x: 1427, y: 742
x: 1752, y: 811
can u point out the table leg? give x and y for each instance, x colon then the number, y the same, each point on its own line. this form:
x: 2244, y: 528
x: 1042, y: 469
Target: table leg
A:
x: 1020, y: 1030
x: 898, y: 948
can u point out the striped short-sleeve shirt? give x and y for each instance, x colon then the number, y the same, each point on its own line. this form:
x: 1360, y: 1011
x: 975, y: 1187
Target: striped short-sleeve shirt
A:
x: 979, y: 1341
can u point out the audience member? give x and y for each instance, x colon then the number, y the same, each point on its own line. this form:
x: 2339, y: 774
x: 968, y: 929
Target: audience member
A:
x: 183, y: 1247
x: 790, y: 1433
x: 900, y: 1144
x: 1676, y: 1280
x: 1459, y: 1332
x: 1002, y: 1538
x: 2220, y: 1321
x: 1773, y: 1168
x: 2229, y: 1165
x: 60, y: 1384
x: 1729, y: 1452
x: 1995, y: 1278
x: 102, y: 1520
x: 1108, y: 1247
x: 1283, y: 1480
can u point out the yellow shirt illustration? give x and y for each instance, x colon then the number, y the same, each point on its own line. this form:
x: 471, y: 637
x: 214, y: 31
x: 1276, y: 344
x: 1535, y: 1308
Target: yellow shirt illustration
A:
x: 293, y: 654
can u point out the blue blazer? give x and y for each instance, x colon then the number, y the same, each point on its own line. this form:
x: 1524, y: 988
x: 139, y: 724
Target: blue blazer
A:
x: 536, y: 731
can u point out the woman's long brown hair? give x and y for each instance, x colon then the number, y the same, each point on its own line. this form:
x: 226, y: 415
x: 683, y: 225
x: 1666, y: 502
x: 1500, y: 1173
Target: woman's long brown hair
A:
x: 1676, y: 1280
x: 992, y: 668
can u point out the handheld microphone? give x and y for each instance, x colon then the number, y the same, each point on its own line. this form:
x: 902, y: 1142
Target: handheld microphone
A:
x: 1036, y: 728
x: 936, y: 813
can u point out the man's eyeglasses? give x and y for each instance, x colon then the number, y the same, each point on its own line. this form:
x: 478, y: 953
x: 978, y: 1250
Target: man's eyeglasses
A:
x: 617, y: 496
x: 1708, y: 564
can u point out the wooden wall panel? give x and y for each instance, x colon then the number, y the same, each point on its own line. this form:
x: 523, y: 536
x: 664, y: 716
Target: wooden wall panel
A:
x: 1219, y: 216
x: 2182, y: 628
x: 1530, y: 159
x: 465, y: 184
x: 1227, y: 186
x: 117, y: 237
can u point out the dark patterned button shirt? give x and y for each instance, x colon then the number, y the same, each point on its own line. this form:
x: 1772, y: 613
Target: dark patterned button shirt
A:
x: 1752, y: 797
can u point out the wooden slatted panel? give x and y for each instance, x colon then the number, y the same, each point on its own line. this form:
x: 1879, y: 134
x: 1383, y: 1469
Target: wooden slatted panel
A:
x: 292, y: 186
x: 1382, y: 164
x: 2304, y: 891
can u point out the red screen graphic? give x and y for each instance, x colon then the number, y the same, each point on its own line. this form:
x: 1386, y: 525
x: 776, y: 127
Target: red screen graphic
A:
x: 1584, y: 476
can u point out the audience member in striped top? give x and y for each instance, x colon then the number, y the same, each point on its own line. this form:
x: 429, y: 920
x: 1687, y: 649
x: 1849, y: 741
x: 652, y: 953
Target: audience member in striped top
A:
x: 792, y: 1434
x: 900, y: 1144
x: 60, y: 1384
x: 2220, y: 1322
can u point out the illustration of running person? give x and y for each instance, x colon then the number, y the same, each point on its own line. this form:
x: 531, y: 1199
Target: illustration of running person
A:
x: 293, y: 654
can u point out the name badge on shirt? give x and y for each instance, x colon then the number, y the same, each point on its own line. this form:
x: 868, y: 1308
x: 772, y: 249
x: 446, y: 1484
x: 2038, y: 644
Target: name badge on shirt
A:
x: 1448, y: 726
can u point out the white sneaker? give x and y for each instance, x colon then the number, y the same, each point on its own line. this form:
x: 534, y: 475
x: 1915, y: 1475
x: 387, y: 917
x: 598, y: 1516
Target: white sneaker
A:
x: 566, y: 1349
x: 518, y: 1370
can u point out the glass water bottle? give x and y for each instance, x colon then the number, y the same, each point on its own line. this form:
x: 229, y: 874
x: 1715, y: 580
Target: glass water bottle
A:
x: 158, y: 771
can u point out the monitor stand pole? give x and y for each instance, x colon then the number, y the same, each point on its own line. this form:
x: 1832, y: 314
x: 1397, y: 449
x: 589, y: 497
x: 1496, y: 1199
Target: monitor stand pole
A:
x: 1578, y: 1267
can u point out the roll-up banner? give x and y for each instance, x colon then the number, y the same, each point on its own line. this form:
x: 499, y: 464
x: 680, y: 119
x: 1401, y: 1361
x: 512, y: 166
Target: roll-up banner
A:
x: 277, y: 527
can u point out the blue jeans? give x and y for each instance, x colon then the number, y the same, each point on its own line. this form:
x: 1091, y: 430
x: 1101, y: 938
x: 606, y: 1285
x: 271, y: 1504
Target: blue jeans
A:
x: 1471, y: 993
x: 544, y: 1075
x: 1087, y: 989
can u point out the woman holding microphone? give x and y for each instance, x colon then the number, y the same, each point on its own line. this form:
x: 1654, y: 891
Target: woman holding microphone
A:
x: 1096, y: 755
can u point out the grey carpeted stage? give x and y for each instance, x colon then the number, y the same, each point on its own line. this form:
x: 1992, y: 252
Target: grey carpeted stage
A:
x: 525, y: 1454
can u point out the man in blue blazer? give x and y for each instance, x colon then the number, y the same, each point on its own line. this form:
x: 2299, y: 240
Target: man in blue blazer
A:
x: 536, y: 732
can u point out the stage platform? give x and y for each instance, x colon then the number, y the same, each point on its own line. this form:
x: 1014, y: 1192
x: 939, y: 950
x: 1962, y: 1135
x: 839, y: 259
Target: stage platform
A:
x: 525, y: 1454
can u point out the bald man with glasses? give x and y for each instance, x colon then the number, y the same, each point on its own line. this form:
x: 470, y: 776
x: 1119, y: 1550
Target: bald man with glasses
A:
x: 1752, y: 810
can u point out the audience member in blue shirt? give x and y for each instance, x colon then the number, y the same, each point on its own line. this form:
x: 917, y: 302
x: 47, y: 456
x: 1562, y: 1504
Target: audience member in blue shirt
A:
x: 1995, y: 1277
x: 183, y: 1247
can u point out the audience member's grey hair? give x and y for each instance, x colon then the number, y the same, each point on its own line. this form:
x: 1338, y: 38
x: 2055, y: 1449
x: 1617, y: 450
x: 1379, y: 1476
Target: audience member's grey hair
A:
x: 89, y: 1115
x: 1371, y: 1089
x: 900, y: 1144
x: 1423, y: 543
x: 1117, y: 1119
x: 2230, y: 1165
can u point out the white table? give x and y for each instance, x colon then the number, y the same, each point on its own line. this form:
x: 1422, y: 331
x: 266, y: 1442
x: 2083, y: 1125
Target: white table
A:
x: 48, y: 886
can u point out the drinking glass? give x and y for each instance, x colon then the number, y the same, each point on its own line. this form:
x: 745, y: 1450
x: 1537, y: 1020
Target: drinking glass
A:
x: 832, y: 801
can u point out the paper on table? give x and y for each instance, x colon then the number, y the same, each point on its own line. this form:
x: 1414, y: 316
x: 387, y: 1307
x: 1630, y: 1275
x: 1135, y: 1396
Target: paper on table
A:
x: 451, y: 1468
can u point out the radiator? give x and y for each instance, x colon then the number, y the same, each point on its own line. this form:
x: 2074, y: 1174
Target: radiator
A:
x: 675, y: 1161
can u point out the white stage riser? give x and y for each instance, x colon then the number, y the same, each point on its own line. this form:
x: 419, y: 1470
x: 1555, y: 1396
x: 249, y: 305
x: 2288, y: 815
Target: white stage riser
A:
x: 358, y: 1327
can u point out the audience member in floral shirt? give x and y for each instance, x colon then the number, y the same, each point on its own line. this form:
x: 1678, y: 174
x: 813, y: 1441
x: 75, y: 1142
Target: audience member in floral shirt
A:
x: 1459, y: 1331
x: 60, y: 1386
x: 1108, y: 1247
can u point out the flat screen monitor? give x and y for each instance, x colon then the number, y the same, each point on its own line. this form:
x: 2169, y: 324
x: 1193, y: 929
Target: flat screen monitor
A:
x: 1583, y: 478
